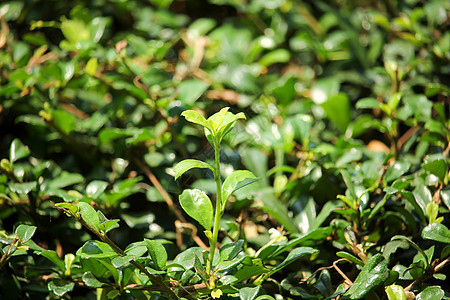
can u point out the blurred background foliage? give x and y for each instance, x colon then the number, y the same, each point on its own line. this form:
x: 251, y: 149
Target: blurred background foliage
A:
x: 347, y: 106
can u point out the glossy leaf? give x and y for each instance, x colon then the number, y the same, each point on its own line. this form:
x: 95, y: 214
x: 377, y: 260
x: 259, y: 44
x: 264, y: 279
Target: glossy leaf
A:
x: 431, y: 293
x: 96, y: 249
x: 436, y: 165
x: 197, y: 205
x: 88, y: 214
x: 437, y: 232
x: 187, y: 164
x: 25, y: 232
x: 293, y: 256
x: 195, y: 117
x: 234, y: 182
x: 395, y: 292
x: 249, y: 293
x: 373, y: 274
x: 95, y: 188
x: 18, y: 151
x: 53, y: 257
x: 60, y: 286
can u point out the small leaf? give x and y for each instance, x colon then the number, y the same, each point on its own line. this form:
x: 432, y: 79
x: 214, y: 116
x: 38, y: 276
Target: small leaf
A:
x: 187, y: 164
x: 373, y: 274
x: 195, y: 117
x: 95, y: 188
x: 91, y: 66
x: 60, y: 286
x: 349, y: 257
x: 23, y: 187
x: 395, y: 292
x: 88, y: 214
x: 436, y: 165
x: 197, y: 205
x: 18, y: 151
x: 157, y: 253
x: 25, y: 232
x: 248, y: 271
x: 437, y: 232
x: 216, y: 293
x: 91, y: 281
x: 69, y: 206
x: 96, y: 249
x: 431, y: 293
x: 231, y: 184
x: 249, y: 293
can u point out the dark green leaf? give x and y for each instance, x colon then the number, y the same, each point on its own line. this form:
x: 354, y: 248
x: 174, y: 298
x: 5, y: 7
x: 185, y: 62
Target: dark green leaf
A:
x: 294, y: 255
x: 436, y: 165
x: 431, y: 293
x: 95, y: 188
x: 91, y: 281
x: 60, y: 286
x: 157, y: 252
x: 53, y: 257
x: 373, y: 274
x: 88, y: 214
x: 22, y: 188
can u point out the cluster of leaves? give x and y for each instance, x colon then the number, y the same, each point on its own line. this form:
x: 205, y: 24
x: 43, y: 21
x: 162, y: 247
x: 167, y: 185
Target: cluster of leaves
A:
x: 347, y: 132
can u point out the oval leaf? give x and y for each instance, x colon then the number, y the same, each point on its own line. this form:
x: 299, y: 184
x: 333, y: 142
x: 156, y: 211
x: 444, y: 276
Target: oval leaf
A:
x: 232, y: 183
x: 437, y: 232
x: 195, y: 117
x: 25, y: 232
x: 187, y: 164
x: 88, y: 214
x: 197, y: 205
x: 374, y: 273
x: 157, y: 252
x: 395, y: 292
x: 17, y: 151
x: 96, y: 249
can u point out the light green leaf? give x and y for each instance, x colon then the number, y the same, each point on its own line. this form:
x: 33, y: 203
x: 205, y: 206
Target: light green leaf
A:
x: 232, y: 183
x: 88, y: 214
x: 195, y: 117
x: 187, y: 164
x: 91, y: 281
x: 373, y: 274
x: 91, y: 66
x: 64, y: 120
x: 190, y: 90
x: 22, y: 187
x: 197, y: 205
x: 395, y: 292
x: 18, y: 150
x: 96, y: 249
x: 436, y: 165
x: 337, y: 108
x: 349, y: 257
x: 157, y: 252
x: 25, y: 232
x: 437, y: 232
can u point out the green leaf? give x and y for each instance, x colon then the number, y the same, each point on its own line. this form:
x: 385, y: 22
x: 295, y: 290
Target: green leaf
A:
x: 91, y: 281
x: 337, y: 109
x: 75, y: 31
x: 431, y: 293
x: 190, y: 90
x: 437, y: 232
x: 25, y: 232
x: 249, y: 293
x: 64, y: 120
x: 395, y: 292
x: 108, y: 225
x: 65, y: 179
x: 88, y: 214
x: 23, y: 187
x: 350, y: 257
x: 232, y: 183
x: 373, y: 274
x: 197, y: 205
x: 367, y: 103
x: 436, y: 165
x: 69, y: 206
x: 96, y: 249
x: 18, y: 150
x: 60, y: 286
x: 195, y: 117
x: 53, y: 257
x: 157, y: 252
x: 248, y: 271
x: 187, y: 164
x: 95, y: 188
x: 294, y: 255
x: 422, y: 195
x: 91, y: 66
x: 275, y: 56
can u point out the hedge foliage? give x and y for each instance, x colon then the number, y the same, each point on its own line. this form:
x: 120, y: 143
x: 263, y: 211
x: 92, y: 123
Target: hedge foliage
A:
x: 347, y: 132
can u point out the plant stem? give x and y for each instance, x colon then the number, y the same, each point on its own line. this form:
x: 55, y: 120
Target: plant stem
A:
x: 218, y: 213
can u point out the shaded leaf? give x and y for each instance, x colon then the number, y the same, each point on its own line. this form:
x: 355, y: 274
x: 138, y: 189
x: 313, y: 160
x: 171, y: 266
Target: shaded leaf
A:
x: 18, y: 150
x: 157, y: 252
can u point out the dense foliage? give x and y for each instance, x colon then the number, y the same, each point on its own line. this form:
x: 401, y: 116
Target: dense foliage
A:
x: 333, y: 154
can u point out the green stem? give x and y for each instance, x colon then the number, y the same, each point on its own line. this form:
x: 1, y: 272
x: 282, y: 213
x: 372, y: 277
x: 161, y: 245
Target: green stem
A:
x: 218, y: 213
